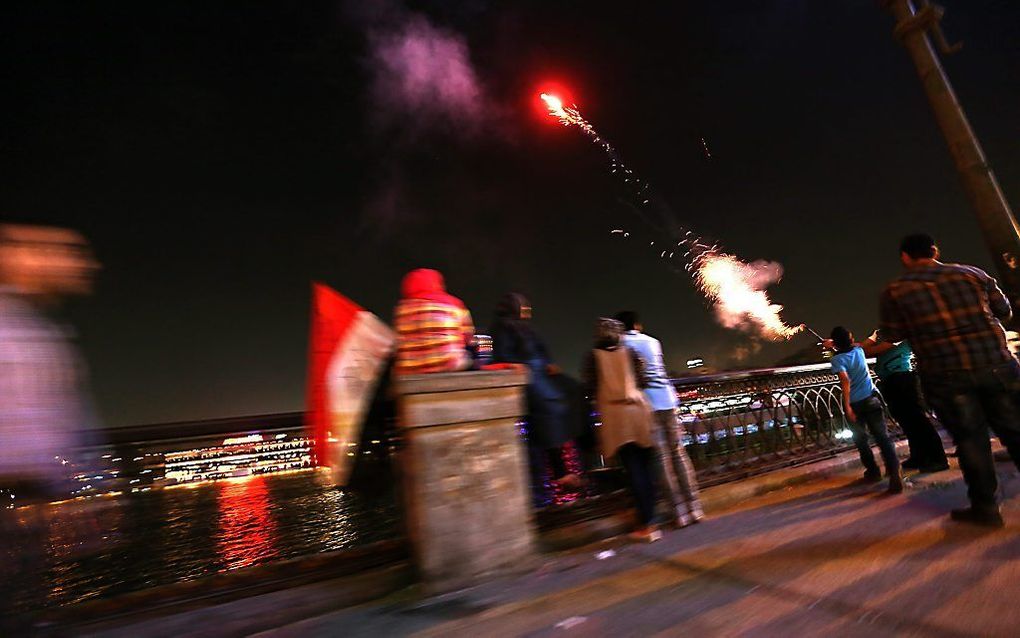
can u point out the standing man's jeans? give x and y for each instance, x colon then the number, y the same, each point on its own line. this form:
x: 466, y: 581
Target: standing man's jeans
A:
x: 676, y: 472
x: 871, y: 418
x: 969, y: 402
x: 902, y: 392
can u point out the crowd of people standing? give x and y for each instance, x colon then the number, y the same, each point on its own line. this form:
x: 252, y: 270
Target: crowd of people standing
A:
x: 950, y: 316
x: 940, y: 348
x: 623, y: 380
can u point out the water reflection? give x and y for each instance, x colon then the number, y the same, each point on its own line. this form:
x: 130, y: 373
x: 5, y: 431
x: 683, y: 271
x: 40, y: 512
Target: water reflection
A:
x: 246, y: 527
x: 117, y: 544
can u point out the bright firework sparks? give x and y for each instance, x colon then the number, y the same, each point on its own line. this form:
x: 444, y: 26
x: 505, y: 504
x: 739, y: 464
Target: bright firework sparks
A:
x: 736, y: 289
x: 570, y: 116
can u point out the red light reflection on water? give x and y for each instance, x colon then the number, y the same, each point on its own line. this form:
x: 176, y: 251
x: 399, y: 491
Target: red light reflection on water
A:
x: 246, y: 526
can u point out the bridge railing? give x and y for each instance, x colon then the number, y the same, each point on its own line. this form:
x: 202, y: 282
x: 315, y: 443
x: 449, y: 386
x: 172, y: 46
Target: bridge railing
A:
x: 739, y: 423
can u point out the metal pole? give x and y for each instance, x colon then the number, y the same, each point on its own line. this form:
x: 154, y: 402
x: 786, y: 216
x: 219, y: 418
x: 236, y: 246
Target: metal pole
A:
x: 998, y: 226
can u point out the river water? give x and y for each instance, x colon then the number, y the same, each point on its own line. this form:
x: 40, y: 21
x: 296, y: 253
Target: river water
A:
x: 111, y: 545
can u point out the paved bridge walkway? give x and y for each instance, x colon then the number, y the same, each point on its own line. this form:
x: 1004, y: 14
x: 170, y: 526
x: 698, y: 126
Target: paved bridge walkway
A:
x: 829, y: 558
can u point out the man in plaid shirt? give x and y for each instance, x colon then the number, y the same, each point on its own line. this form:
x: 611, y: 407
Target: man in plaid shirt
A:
x: 950, y: 314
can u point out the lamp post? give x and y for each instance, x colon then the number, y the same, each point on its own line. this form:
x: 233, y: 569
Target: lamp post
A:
x: 998, y: 226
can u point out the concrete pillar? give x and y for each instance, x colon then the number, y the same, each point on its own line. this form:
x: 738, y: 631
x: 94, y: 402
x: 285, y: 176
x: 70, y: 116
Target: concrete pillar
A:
x: 464, y: 474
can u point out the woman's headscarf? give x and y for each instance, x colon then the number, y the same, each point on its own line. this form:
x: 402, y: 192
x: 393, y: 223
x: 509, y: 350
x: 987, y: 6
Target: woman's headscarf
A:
x: 512, y: 326
x: 425, y: 283
x: 511, y: 307
x: 607, y: 332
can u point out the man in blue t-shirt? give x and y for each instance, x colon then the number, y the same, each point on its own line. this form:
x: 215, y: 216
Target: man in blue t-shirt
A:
x: 863, y: 408
x: 901, y: 390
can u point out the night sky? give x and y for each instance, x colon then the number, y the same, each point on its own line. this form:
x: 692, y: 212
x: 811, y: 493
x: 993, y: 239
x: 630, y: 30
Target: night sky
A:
x: 221, y: 156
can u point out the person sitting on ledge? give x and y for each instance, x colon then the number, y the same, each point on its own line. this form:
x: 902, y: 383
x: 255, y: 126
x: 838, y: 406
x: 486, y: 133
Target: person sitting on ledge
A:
x: 434, y: 328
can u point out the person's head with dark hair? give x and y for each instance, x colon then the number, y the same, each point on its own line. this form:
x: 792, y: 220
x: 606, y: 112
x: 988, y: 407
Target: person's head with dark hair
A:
x: 513, y: 306
x: 842, y: 339
x: 917, y: 249
x: 607, y: 333
x: 629, y: 319
x: 512, y: 322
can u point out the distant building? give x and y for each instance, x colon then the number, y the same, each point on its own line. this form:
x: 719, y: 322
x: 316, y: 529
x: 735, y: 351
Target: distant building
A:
x: 239, y: 456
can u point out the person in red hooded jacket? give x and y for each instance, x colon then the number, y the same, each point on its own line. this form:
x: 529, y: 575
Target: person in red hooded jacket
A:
x: 434, y: 328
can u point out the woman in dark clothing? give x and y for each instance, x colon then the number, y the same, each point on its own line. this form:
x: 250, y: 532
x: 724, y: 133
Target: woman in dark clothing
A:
x: 550, y: 426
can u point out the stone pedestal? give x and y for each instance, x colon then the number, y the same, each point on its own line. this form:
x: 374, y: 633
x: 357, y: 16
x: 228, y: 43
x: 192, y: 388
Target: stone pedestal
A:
x: 465, y: 483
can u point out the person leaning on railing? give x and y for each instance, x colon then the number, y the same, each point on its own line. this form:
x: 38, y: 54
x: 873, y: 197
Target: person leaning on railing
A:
x: 614, y: 375
x: 901, y: 389
x: 551, y: 421
x: 863, y: 408
x: 676, y: 472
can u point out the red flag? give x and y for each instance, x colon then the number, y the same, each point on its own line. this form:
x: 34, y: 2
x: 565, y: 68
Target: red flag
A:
x: 348, y: 352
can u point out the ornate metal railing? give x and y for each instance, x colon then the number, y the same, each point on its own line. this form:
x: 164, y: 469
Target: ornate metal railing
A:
x: 751, y: 421
x: 737, y: 423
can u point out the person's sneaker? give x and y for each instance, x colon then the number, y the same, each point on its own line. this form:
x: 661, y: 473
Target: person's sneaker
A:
x: 697, y: 514
x: 682, y: 519
x: 910, y: 464
x: 931, y: 468
x: 983, y: 517
x: 872, y: 476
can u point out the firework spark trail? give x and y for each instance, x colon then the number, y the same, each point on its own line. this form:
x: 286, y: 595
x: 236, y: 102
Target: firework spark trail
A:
x: 737, y: 290
x: 704, y: 147
x: 571, y: 116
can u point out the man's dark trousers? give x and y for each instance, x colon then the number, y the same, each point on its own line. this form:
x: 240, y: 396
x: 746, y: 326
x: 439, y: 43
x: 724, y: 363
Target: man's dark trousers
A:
x: 902, y: 393
x: 968, y: 403
x: 871, y: 419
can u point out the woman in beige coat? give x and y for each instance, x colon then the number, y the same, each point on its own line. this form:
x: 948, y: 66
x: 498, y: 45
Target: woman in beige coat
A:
x: 613, y: 376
